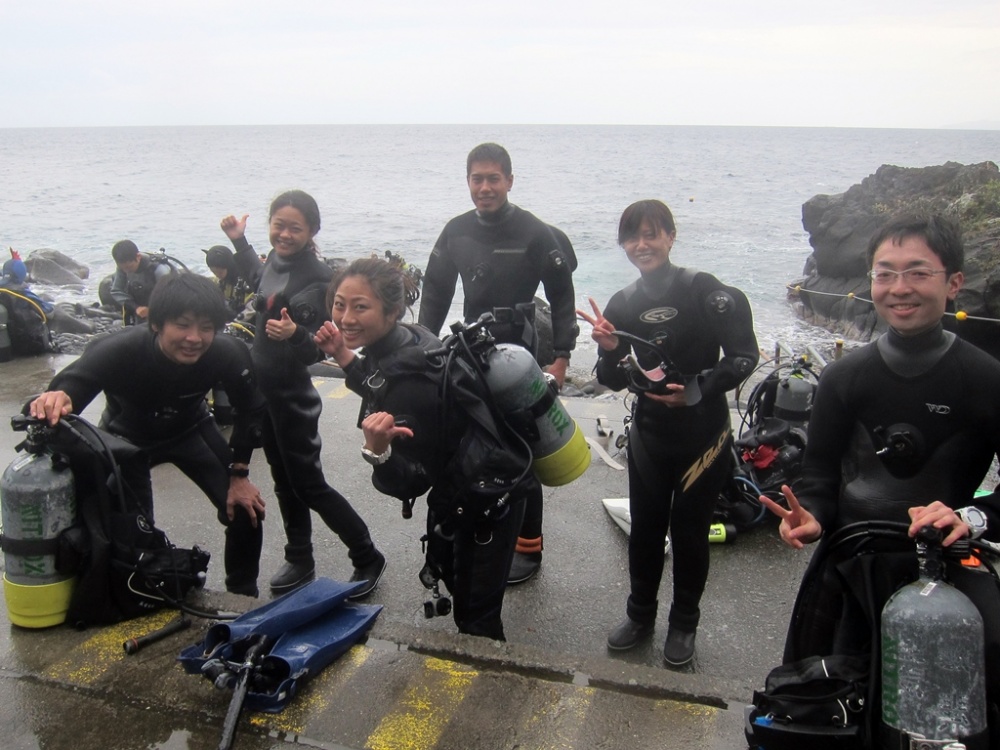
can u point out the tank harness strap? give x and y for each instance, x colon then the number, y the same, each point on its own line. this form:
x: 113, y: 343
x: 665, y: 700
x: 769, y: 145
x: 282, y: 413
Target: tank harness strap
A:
x: 28, y: 547
x: 525, y: 420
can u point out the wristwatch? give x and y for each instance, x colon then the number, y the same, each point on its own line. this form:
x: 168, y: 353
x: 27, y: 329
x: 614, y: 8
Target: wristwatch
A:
x: 376, y: 459
x: 975, y: 519
x: 235, y: 472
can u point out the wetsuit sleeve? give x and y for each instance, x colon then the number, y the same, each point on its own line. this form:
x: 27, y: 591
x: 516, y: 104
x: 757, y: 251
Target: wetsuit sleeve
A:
x: 438, y: 286
x: 732, y: 320
x: 248, y: 263
x: 827, y: 443
x: 557, y: 279
x: 119, y: 290
x: 608, y: 371
x: 85, y: 378
x: 410, y: 470
x: 249, y: 406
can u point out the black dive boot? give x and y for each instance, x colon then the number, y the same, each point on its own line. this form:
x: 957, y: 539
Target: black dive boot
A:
x: 299, y: 568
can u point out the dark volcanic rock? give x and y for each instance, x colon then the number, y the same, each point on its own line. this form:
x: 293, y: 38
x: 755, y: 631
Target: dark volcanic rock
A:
x: 835, y: 290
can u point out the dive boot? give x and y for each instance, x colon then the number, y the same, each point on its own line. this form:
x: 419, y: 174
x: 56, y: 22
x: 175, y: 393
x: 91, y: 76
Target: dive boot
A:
x: 368, y: 576
x: 298, y: 569
x: 678, y: 651
x: 523, y: 567
x: 628, y: 633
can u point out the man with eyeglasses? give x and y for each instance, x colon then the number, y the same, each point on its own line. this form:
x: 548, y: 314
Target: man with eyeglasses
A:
x: 906, y: 428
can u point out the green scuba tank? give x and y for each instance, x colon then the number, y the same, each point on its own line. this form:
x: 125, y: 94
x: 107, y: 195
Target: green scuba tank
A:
x: 37, y: 503
x: 933, y: 659
x: 530, y: 403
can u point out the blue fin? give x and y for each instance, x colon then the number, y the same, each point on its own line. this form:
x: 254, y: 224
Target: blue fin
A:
x: 285, y: 613
x: 303, y: 652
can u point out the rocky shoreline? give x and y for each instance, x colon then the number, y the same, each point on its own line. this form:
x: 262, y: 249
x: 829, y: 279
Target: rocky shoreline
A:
x: 834, y: 291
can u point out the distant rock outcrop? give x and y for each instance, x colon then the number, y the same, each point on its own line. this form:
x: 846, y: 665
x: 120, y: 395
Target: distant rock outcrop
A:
x: 835, y: 292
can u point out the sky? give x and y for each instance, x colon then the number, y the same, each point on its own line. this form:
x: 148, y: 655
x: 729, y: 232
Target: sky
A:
x: 854, y: 63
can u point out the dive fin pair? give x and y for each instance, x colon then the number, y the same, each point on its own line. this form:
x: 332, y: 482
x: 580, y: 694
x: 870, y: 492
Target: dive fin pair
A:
x: 309, y: 627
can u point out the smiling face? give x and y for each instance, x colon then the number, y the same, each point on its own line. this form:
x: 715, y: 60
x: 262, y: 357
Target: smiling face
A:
x: 648, y: 248
x: 186, y: 338
x: 488, y: 186
x: 359, y: 314
x: 289, y: 231
x: 912, y: 305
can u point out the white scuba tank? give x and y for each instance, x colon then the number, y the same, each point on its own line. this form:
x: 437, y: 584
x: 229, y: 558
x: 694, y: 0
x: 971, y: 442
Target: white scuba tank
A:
x: 933, y: 658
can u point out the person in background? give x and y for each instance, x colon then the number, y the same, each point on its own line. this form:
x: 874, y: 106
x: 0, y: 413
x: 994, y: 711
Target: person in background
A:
x: 916, y: 376
x: 502, y: 254
x: 236, y: 290
x: 134, y: 279
x: 291, y: 306
x: 681, y: 437
x: 415, y: 439
x: 154, y: 379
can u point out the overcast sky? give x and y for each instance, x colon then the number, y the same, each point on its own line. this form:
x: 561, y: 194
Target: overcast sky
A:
x: 853, y: 63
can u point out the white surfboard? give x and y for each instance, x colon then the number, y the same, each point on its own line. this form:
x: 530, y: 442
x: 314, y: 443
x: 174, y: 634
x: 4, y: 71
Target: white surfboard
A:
x: 617, y: 508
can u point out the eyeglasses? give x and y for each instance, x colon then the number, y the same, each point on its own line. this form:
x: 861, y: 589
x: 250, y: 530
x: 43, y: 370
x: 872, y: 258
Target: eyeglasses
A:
x: 884, y: 276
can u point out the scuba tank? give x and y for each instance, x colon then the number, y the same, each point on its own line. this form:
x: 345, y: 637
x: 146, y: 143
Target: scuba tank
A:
x: 933, y: 656
x: 37, y: 503
x: 793, y: 398
x: 5, y: 346
x: 529, y: 401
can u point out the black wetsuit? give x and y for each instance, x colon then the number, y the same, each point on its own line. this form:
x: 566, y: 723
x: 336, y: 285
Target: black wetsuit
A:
x: 291, y: 436
x: 502, y: 259
x: 159, y: 405
x: 472, y: 559
x: 678, y: 458
x: 931, y: 402
x: 936, y: 393
x: 132, y: 290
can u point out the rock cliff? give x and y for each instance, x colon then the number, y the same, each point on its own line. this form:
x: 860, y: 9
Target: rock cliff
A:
x: 834, y: 292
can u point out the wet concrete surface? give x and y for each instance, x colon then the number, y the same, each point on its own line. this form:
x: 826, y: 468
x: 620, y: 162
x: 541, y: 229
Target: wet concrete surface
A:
x: 416, y: 683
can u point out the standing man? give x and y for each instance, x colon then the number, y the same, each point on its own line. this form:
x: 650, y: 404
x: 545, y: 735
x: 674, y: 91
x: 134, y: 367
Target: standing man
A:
x: 134, y: 279
x: 154, y: 380
x: 502, y: 253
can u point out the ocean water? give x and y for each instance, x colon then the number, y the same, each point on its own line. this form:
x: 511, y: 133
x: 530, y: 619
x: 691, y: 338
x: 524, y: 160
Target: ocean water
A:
x: 736, y: 193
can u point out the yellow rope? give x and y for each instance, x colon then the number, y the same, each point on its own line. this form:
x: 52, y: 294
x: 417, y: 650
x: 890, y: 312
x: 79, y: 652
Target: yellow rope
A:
x: 959, y: 315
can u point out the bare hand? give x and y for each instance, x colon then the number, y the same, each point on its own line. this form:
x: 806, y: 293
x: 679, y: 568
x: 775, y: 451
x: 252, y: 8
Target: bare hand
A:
x: 604, y: 332
x: 243, y: 494
x: 51, y: 406
x: 380, y: 430
x: 280, y: 329
x: 940, y: 516
x: 558, y: 370
x: 142, y: 311
x: 331, y: 342
x: 673, y: 399
x: 798, y: 526
x: 233, y: 227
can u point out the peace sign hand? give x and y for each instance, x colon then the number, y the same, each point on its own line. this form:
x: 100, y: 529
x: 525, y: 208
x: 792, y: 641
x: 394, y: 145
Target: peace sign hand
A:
x: 604, y: 332
x: 798, y: 526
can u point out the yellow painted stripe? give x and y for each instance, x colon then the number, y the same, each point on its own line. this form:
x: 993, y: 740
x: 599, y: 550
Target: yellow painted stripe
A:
x: 98, y: 654
x: 558, y: 725
x: 332, y: 387
x: 316, y: 696
x: 425, y: 708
